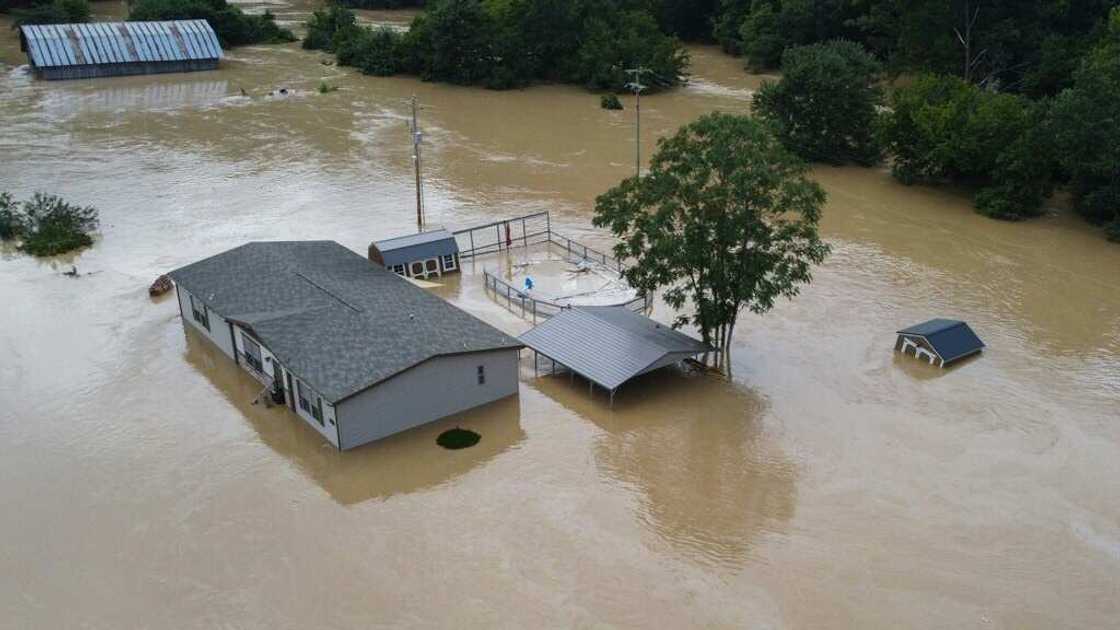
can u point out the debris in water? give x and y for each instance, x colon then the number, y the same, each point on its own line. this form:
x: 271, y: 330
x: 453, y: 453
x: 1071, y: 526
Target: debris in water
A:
x: 160, y: 286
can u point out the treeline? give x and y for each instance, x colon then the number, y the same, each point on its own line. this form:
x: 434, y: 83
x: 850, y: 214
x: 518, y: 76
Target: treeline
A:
x: 504, y: 44
x: 233, y: 26
x: 830, y: 106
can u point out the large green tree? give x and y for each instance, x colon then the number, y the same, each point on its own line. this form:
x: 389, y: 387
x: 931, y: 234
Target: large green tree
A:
x: 826, y: 103
x: 726, y: 220
x: 1085, y: 123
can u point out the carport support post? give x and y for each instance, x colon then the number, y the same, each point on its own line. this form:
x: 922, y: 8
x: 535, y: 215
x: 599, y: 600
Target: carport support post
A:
x: 612, y: 398
x: 535, y: 363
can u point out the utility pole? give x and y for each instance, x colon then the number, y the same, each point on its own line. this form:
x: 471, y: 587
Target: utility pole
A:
x: 635, y: 86
x: 417, y: 136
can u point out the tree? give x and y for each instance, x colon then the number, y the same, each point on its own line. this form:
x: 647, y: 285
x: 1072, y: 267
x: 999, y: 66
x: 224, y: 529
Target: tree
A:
x: 1086, y: 131
x: 726, y: 219
x: 826, y: 104
x: 52, y: 12
x: 233, y: 26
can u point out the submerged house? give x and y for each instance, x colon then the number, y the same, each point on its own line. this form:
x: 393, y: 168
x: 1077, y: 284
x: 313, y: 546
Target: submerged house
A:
x: 940, y: 341
x: 356, y: 351
x: 420, y: 255
x: 609, y: 345
x: 102, y: 49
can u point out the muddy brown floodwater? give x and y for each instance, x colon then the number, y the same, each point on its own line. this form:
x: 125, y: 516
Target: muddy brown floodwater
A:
x: 829, y: 484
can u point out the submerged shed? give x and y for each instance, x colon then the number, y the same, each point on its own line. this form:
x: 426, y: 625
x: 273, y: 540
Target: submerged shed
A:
x: 420, y: 255
x: 609, y: 345
x: 101, y: 49
x: 941, y: 341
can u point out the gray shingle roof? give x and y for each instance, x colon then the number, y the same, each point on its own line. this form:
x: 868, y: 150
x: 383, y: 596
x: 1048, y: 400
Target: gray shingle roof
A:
x: 952, y: 339
x: 338, y: 321
x: 405, y: 249
x: 608, y: 344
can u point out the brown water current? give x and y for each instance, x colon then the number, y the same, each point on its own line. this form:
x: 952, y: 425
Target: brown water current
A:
x: 828, y: 484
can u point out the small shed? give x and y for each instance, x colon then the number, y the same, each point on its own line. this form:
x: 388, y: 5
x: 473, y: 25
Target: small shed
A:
x: 940, y: 341
x: 101, y: 49
x: 420, y: 255
x: 609, y: 345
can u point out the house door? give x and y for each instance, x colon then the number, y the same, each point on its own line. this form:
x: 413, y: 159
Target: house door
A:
x: 291, y: 392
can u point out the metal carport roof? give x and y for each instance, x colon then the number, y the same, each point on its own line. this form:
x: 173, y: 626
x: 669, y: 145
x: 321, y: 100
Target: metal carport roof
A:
x: 51, y: 45
x: 610, y: 345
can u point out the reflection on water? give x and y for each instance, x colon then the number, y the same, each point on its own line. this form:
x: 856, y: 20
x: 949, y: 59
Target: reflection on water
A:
x: 404, y: 463
x: 147, y: 97
x: 708, y: 481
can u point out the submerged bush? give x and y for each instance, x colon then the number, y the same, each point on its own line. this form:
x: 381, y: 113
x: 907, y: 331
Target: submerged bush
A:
x: 233, y: 26
x: 610, y: 101
x: 46, y: 224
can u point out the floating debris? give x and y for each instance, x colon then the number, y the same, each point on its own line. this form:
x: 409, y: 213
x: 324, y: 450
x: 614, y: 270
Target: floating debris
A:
x: 160, y: 286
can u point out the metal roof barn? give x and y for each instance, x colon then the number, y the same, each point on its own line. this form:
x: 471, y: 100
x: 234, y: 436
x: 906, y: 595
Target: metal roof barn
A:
x: 101, y: 49
x: 942, y: 341
x: 610, y: 345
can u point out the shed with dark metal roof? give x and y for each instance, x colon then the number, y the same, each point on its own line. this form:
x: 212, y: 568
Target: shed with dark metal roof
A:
x: 100, y: 49
x: 432, y: 253
x: 941, y: 341
x: 610, y: 345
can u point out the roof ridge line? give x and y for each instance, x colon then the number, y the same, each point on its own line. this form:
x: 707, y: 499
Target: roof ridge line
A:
x: 328, y: 292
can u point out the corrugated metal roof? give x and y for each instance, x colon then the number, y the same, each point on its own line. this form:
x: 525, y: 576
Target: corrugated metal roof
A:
x: 608, y: 344
x: 405, y: 249
x: 51, y: 45
x: 952, y: 339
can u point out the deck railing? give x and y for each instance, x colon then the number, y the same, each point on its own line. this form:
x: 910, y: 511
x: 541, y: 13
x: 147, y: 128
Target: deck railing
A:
x: 530, y: 307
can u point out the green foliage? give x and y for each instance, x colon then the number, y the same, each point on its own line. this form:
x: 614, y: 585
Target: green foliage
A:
x: 610, y: 101
x: 11, y: 220
x: 825, y: 106
x: 1086, y: 130
x: 56, y: 12
x: 725, y: 220
x: 233, y: 26
x: 510, y: 43
x: 943, y: 129
x: 326, y: 88
x: 46, y: 224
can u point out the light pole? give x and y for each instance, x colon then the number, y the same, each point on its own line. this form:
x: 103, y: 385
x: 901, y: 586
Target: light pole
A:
x: 417, y: 136
x: 635, y: 86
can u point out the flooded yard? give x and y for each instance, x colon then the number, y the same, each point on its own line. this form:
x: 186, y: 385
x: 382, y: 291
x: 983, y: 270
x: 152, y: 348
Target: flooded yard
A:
x: 829, y: 483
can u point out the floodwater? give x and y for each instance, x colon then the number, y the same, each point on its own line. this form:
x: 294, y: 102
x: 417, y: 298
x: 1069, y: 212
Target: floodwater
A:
x: 828, y: 484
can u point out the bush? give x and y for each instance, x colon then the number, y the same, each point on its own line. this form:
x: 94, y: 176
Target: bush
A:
x: 11, y: 220
x: 56, y: 12
x: 373, y: 51
x: 46, y: 224
x: 233, y: 26
x: 944, y: 129
x: 324, y: 24
x: 610, y: 101
x: 825, y: 106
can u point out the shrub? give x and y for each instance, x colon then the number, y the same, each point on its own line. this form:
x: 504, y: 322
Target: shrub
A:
x: 324, y: 24
x: 46, y: 224
x: 825, y: 106
x: 326, y: 88
x: 610, y: 101
x: 373, y: 51
x: 56, y: 12
x: 233, y: 26
x: 11, y: 220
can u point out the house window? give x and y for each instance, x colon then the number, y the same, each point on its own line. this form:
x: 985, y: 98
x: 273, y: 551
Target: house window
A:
x: 252, y: 352
x: 482, y: 375
x: 448, y: 262
x: 398, y: 269
x: 417, y: 269
x: 432, y: 265
x: 305, y: 402
x: 198, y: 310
